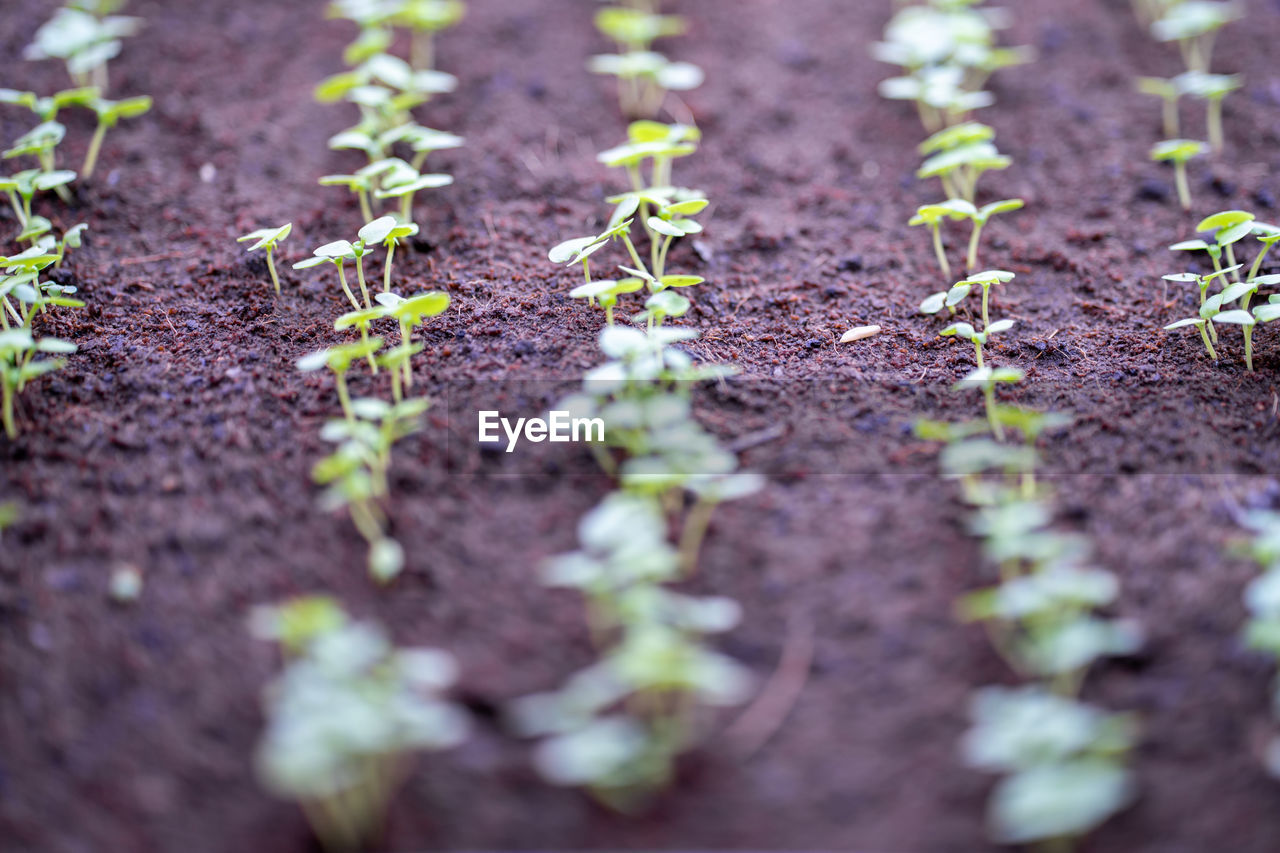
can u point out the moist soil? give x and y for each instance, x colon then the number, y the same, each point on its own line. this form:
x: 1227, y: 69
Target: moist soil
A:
x: 179, y: 439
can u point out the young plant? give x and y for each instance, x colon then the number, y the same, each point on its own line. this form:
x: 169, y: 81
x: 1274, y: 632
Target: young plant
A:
x: 411, y: 313
x: 1179, y: 152
x: 1169, y: 92
x: 1194, y: 26
x: 109, y: 114
x: 85, y: 41
x: 19, y: 367
x: 933, y: 215
x: 269, y: 239
x: 345, y: 715
x: 336, y: 253
x: 984, y: 377
x: 338, y: 359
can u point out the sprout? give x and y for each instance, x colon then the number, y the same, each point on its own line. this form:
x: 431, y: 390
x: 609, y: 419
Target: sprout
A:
x: 338, y: 359
x: 1179, y: 151
x: 1168, y: 91
x: 109, y: 114
x: 336, y: 253
x: 19, y: 366
x: 983, y: 376
x: 410, y: 313
x: 933, y: 215
x: 1213, y: 88
x: 644, y: 79
x: 269, y: 239
x: 606, y: 293
x: 1194, y: 24
x: 84, y: 41
x: 345, y: 714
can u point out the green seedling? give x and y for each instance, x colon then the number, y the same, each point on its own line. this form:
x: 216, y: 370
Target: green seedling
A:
x: 1063, y: 762
x: 933, y: 215
x: 361, y: 320
x: 21, y: 189
x: 109, y: 114
x: 19, y: 367
x: 336, y: 253
x: 41, y: 142
x: 980, y: 218
x: 387, y: 231
x: 269, y: 239
x: 84, y: 41
x: 961, y: 290
x: 338, y: 359
x: 1169, y: 92
x: 404, y: 185
x: 1212, y: 88
x: 411, y: 313
x: 1178, y: 152
x: 360, y: 186
x: 939, y: 93
x: 72, y: 238
x: 1194, y: 25
x: 345, y: 715
x: 423, y: 141
x: 960, y: 168
x: 644, y: 79
x: 637, y: 29
x: 983, y: 376
x: 606, y: 293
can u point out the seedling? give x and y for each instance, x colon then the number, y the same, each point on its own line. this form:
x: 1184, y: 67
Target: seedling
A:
x: 360, y: 185
x: 345, y: 715
x: 1194, y: 26
x: 644, y: 79
x: 1178, y: 152
x: 1212, y: 88
x: 410, y: 313
x: 404, y: 183
x: 387, y: 231
x: 606, y: 293
x: 1169, y: 92
x: 939, y: 94
x: 959, y: 155
x: 84, y: 41
x: 423, y: 141
x: 982, y: 376
x: 19, y: 367
x: 933, y: 216
x: 337, y: 253
x: 24, y: 186
x: 269, y: 239
x: 338, y: 359
x: 109, y: 115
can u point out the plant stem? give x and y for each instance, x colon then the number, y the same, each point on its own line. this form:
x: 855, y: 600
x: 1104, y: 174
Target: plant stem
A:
x: 342, y: 275
x: 344, y: 396
x: 1180, y: 178
x: 972, y: 262
x: 365, y: 209
x: 1216, y: 141
x: 1171, y: 118
x: 271, y: 265
x: 940, y: 250
x: 95, y: 145
x: 364, y: 339
x: 1248, y: 347
x: 10, y: 426
x: 695, y: 530
x: 1257, y: 262
x: 1204, y: 336
x: 364, y: 288
x: 986, y: 301
x: 386, y: 270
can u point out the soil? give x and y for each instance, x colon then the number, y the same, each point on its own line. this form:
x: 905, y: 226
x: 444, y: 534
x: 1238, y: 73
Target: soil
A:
x: 179, y: 440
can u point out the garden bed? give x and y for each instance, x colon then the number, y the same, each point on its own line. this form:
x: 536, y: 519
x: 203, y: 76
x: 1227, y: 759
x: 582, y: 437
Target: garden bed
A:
x: 179, y: 440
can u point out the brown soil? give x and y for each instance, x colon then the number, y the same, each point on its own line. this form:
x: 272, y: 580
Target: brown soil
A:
x: 180, y: 438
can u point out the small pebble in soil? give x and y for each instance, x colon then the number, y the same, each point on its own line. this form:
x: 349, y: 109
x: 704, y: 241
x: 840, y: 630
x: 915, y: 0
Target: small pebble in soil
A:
x: 1153, y: 190
x: 1264, y: 198
x: 523, y: 348
x: 852, y: 263
x: 1223, y: 187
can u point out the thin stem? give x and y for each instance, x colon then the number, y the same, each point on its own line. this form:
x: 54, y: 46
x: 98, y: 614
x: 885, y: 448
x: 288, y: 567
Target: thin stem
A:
x: 1171, y: 118
x: 1248, y: 347
x: 972, y: 263
x: 986, y: 301
x: 940, y: 250
x: 1184, y: 191
x: 364, y: 287
x: 364, y: 339
x: 1257, y: 262
x: 386, y: 269
x: 1204, y: 336
x: 10, y: 425
x: 271, y: 265
x: 344, y: 396
x: 366, y: 209
x: 695, y: 531
x: 95, y: 145
x: 342, y: 276
x: 1216, y: 141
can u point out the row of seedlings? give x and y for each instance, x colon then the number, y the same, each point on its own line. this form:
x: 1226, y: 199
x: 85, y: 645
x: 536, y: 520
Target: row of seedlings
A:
x: 349, y: 709
x: 85, y: 35
x: 385, y: 88
x: 1063, y: 762
x: 618, y: 727
x: 1226, y: 233
x: 948, y: 52
x: 1194, y: 26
